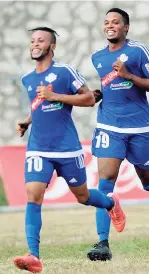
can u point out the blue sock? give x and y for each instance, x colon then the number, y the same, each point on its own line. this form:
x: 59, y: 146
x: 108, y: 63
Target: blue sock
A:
x: 99, y: 199
x: 102, y: 217
x: 33, y: 225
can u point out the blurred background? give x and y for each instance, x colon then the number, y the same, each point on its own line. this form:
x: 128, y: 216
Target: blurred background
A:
x: 67, y: 234
x: 79, y: 24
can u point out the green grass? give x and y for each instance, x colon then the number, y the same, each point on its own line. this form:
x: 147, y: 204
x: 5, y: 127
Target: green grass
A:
x: 3, y: 199
x: 66, y: 237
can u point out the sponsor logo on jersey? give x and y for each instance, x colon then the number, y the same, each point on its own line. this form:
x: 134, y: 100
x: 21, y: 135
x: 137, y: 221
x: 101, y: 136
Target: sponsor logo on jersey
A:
x: 36, y: 102
x: 109, y: 78
x: 51, y: 77
x: 52, y: 106
x: 76, y: 84
x: 122, y: 85
x: 147, y: 66
x: 123, y: 57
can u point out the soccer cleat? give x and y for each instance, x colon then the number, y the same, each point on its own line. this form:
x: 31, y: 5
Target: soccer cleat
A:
x: 117, y: 214
x: 28, y: 262
x: 100, y: 252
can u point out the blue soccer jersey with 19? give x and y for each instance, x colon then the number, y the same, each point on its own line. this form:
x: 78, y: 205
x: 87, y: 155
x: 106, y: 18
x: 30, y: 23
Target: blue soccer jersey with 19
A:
x: 124, y: 105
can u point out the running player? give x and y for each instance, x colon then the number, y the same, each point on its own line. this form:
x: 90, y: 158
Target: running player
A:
x: 53, y: 143
x: 122, y: 129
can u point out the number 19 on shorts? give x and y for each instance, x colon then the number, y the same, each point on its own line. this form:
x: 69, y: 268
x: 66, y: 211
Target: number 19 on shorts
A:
x: 102, y: 140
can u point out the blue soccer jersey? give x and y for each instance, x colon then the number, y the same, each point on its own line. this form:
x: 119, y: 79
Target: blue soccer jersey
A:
x: 53, y: 133
x: 124, y: 107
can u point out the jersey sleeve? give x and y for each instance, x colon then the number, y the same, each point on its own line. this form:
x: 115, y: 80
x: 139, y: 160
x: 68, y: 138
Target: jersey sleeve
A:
x: 23, y: 82
x: 76, y: 80
x: 145, y: 61
x: 93, y: 61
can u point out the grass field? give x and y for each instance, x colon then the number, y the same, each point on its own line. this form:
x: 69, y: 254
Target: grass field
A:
x: 68, y: 234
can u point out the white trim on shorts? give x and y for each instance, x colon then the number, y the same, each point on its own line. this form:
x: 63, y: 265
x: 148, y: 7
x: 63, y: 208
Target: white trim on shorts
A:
x: 70, y: 154
x: 123, y: 130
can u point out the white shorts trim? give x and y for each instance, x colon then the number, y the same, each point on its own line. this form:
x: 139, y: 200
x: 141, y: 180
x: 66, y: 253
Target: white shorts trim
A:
x: 123, y: 130
x: 70, y: 154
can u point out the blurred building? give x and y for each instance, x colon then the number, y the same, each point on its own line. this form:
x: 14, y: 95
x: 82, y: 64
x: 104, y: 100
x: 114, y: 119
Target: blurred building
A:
x: 79, y: 24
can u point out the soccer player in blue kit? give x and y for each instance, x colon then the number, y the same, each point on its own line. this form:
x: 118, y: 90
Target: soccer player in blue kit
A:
x: 122, y: 129
x: 53, y: 142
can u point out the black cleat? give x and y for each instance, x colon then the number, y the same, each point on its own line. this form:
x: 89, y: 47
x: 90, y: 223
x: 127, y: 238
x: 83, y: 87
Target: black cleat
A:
x: 100, y: 252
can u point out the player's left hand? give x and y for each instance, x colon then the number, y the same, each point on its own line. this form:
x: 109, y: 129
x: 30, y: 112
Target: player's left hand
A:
x: 120, y: 67
x: 98, y: 95
x: 45, y: 92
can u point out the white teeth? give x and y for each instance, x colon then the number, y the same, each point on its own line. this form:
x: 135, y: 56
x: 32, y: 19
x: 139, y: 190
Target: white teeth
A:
x: 110, y: 32
x: 36, y: 50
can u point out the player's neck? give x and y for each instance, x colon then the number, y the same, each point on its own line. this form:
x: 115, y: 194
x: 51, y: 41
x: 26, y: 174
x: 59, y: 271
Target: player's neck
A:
x: 43, y: 65
x: 116, y: 46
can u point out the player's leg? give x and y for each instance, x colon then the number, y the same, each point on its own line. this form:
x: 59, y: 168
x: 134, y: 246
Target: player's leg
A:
x: 73, y: 171
x: 144, y: 177
x: 38, y: 173
x: 110, y: 150
x: 108, y: 170
x: 138, y: 155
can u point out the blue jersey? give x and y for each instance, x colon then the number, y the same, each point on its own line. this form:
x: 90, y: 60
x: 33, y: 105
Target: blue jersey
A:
x: 124, y: 107
x: 53, y: 133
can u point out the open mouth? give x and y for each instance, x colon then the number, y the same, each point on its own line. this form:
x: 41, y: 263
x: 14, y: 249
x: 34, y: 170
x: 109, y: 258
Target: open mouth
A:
x: 36, y: 51
x: 110, y: 33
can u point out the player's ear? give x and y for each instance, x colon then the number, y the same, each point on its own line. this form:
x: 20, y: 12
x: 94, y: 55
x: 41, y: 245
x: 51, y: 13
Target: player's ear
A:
x: 53, y: 47
x: 126, y: 28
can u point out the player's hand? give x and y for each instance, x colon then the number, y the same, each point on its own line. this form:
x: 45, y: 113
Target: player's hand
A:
x: 21, y: 128
x: 120, y: 67
x: 97, y: 95
x: 45, y: 92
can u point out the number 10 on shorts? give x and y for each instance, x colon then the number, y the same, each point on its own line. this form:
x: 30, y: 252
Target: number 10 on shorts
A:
x: 34, y: 163
x: 102, y: 140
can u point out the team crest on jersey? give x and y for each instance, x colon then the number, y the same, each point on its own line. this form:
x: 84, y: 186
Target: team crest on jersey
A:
x: 123, y: 57
x: 51, y: 77
x: 147, y: 66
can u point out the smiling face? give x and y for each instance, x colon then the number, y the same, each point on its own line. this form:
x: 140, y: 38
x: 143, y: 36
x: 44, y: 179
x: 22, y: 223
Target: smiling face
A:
x: 115, y: 27
x: 41, y: 45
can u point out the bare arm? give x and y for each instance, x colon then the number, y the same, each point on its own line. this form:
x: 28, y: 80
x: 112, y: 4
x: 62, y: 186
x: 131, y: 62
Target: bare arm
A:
x: 28, y: 120
x: 140, y: 82
x: 124, y: 73
x: 84, y: 98
x: 23, y: 126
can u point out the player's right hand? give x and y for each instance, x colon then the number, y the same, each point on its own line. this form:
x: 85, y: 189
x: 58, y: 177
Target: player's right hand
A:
x: 21, y: 128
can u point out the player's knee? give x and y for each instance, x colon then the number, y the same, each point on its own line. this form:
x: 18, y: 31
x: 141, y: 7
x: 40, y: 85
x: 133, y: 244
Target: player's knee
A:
x: 82, y: 198
x: 35, y: 195
x: 110, y: 176
x: 34, y: 199
x: 145, y: 182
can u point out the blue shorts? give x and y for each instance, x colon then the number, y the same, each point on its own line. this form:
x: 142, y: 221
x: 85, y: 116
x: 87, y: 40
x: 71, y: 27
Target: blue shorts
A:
x: 133, y: 147
x: 40, y: 169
